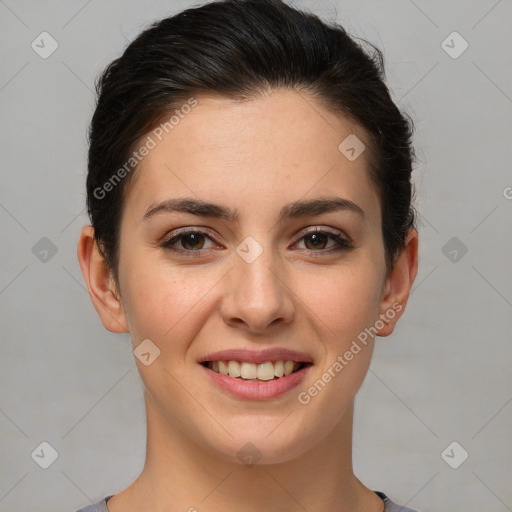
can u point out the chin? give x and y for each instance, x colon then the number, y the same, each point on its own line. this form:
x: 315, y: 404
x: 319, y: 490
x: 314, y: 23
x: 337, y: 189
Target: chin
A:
x: 262, y: 443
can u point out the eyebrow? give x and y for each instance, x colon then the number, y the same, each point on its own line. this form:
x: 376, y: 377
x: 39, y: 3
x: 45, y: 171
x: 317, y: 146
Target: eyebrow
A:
x: 295, y: 210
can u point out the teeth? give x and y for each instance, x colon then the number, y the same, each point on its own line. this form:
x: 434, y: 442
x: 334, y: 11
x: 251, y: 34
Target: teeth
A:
x: 266, y: 371
x: 251, y: 371
x: 234, y: 369
x: 248, y: 371
x: 288, y: 367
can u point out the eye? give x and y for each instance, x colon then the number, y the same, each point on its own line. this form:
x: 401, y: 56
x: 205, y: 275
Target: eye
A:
x: 190, y: 241
x: 317, y: 239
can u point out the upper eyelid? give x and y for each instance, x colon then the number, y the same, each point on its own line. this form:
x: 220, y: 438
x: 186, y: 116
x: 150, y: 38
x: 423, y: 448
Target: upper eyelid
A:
x: 317, y: 229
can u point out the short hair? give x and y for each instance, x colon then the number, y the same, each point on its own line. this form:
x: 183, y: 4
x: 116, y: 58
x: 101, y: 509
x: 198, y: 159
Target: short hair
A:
x: 242, y: 49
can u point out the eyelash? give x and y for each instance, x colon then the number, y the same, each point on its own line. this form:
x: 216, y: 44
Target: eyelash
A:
x: 343, y: 244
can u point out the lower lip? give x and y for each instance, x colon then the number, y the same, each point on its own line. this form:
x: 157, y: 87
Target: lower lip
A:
x: 257, y: 390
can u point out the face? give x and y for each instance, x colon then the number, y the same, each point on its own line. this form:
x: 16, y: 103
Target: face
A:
x: 273, y: 282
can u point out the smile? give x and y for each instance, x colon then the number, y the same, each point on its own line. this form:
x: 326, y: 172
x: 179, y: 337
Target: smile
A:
x: 243, y: 370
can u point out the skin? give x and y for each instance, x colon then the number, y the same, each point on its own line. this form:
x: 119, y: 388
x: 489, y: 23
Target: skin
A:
x: 254, y: 156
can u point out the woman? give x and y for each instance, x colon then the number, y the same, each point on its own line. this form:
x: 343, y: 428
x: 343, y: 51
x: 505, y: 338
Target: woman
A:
x: 249, y: 189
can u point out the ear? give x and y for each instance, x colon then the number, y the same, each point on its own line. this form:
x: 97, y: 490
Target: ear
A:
x: 100, y: 283
x: 398, y: 284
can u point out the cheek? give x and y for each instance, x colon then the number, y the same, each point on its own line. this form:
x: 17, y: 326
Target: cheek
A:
x: 170, y: 311
x: 343, y: 304
x: 345, y: 300
x: 163, y: 303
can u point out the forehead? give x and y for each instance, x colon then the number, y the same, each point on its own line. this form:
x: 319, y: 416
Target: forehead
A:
x: 262, y: 153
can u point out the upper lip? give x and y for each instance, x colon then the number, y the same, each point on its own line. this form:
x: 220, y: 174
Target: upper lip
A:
x: 257, y: 356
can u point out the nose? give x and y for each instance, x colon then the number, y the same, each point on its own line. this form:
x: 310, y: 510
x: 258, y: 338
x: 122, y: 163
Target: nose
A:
x: 257, y: 296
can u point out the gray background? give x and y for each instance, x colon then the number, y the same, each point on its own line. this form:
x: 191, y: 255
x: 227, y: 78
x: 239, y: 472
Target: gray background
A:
x: 443, y: 376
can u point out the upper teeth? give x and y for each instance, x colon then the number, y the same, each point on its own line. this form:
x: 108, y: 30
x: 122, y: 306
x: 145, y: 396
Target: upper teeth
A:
x: 263, y: 371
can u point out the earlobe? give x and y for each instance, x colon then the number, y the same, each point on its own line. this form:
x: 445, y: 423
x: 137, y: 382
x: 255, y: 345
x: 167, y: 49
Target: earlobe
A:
x: 398, y: 285
x: 100, y: 283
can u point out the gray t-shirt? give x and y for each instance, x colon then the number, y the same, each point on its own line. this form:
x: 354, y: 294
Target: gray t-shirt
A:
x: 389, y: 506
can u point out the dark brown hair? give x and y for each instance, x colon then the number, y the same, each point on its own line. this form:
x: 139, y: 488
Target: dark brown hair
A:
x: 239, y: 49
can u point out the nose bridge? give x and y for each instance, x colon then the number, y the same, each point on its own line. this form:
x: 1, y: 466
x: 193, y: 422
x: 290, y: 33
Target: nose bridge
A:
x: 257, y: 294
x: 256, y: 269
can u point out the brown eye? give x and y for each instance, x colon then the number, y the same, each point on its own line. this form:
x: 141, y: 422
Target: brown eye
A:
x: 187, y: 241
x: 192, y: 240
x: 317, y: 241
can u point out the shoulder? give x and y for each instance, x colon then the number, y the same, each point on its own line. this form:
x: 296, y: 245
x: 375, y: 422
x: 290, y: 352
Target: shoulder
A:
x: 100, y: 506
x: 391, y: 506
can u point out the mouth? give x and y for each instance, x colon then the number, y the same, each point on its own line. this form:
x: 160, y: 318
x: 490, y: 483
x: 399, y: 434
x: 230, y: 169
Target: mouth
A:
x: 262, y: 372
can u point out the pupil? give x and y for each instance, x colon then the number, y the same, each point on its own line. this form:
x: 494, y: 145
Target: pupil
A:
x: 193, y: 236
x: 315, y: 238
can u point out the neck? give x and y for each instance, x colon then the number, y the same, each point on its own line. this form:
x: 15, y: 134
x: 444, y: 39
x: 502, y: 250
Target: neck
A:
x: 179, y: 475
